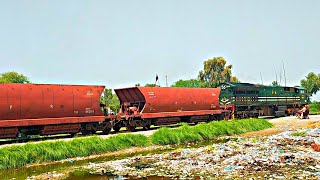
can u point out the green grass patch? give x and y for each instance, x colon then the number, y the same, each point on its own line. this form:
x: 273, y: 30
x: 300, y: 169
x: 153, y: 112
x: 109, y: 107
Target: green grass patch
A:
x: 297, y: 133
x: 211, y: 130
x: 21, y: 155
x: 315, y: 108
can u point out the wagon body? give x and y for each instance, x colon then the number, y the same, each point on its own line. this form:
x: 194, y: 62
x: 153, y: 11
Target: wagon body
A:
x: 162, y: 104
x: 35, y: 105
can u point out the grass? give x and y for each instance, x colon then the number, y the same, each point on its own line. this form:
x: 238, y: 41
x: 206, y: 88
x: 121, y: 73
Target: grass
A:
x: 297, y: 133
x: 315, y: 108
x: 207, y: 131
x: 21, y: 155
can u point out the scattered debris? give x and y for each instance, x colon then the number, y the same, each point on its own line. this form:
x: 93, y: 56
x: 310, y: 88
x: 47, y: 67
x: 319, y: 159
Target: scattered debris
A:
x: 288, y: 155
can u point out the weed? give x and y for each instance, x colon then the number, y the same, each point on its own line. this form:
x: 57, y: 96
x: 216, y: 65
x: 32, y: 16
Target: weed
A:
x: 299, y: 133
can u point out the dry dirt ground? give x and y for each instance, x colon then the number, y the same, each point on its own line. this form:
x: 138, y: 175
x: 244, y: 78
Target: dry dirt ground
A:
x: 287, y: 123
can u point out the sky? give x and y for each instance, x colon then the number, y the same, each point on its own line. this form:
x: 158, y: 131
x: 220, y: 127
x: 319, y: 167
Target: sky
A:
x: 122, y: 43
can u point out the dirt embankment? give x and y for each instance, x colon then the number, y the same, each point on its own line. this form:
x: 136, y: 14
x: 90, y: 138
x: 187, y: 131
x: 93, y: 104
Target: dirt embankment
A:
x: 287, y: 123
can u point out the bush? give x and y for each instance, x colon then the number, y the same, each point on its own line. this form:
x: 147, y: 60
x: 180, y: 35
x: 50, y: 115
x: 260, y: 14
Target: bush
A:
x: 315, y: 108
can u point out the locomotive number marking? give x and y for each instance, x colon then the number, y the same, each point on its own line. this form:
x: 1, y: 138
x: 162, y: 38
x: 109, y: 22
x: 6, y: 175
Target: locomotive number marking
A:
x: 51, y: 106
x: 10, y: 107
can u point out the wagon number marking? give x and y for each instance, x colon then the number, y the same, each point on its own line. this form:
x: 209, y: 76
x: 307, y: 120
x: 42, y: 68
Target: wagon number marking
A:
x: 89, y: 111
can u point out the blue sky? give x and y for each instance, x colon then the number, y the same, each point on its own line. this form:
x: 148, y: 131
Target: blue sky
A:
x: 121, y: 43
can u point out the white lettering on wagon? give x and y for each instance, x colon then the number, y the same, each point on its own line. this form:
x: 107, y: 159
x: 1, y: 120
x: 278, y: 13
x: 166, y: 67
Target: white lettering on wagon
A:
x: 89, y: 111
x: 89, y: 93
x: 151, y: 94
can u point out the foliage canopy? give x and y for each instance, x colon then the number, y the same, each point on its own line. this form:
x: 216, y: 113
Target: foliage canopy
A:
x: 195, y: 83
x: 216, y: 72
x: 111, y: 100
x: 150, y: 85
x: 311, y: 83
x: 13, y: 77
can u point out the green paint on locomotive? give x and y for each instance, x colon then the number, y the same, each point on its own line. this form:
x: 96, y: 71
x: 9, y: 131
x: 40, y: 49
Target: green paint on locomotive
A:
x: 247, y: 97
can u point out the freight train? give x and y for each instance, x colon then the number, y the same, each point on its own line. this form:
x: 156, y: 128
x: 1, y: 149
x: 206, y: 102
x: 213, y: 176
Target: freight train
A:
x: 44, y: 109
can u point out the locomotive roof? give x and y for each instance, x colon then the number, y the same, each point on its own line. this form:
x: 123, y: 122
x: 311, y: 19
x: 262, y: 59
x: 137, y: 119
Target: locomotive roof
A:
x: 232, y: 84
x: 241, y: 84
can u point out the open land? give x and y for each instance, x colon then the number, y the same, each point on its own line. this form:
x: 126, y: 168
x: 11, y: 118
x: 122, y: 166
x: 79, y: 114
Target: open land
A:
x: 281, y: 152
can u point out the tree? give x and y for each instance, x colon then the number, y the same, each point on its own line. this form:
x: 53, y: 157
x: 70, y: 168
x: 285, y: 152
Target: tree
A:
x: 111, y: 100
x: 216, y: 72
x: 311, y: 83
x: 137, y: 85
x: 150, y: 85
x: 13, y: 77
x: 195, y: 83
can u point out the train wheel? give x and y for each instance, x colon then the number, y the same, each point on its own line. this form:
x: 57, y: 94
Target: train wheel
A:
x: 84, y: 131
x: 106, y: 130
x: 117, y: 127
x: 146, y: 127
x: 131, y: 128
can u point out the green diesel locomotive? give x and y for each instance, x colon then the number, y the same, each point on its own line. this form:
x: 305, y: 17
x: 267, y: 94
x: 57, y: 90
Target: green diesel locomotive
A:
x: 252, y: 100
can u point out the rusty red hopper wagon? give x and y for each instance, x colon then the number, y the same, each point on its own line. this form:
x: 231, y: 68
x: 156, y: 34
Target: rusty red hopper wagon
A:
x: 48, y: 109
x: 145, y: 106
